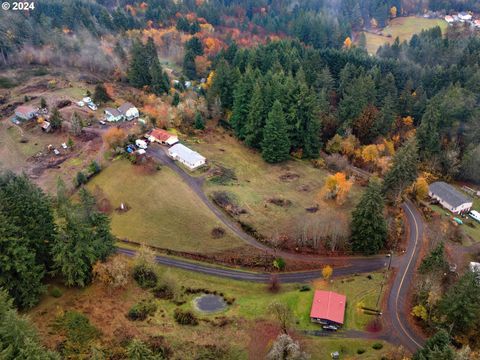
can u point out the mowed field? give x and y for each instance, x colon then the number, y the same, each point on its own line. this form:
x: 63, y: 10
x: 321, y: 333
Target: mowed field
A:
x: 249, y: 327
x: 164, y: 212
x: 258, y: 183
x: 403, y: 28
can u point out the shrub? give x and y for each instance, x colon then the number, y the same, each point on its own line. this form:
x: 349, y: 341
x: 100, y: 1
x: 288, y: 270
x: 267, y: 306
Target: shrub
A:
x: 163, y: 291
x: 77, y: 328
x: 141, y: 310
x: 304, y: 288
x: 145, y: 276
x: 184, y: 317
x: 159, y: 346
x: 279, y: 264
x: 360, y: 351
x: 56, y: 292
x: 80, y: 179
x: 377, y: 346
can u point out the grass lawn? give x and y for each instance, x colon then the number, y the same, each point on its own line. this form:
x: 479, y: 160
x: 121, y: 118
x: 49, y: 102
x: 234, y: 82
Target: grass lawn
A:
x: 249, y: 330
x: 258, y: 182
x: 323, y: 347
x: 163, y: 210
x: 403, y: 28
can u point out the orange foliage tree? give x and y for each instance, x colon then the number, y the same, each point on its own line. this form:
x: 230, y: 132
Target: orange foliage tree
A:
x: 114, y: 137
x: 337, y: 187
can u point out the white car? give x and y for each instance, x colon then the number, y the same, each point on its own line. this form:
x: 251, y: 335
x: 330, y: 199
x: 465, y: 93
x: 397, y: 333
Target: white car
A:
x: 102, y: 122
x: 92, y: 106
x: 87, y: 99
x: 81, y: 103
x: 64, y: 145
x: 142, y: 144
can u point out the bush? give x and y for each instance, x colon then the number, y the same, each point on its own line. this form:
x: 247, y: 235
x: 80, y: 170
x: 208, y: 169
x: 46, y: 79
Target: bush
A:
x: 279, y: 264
x: 184, y: 317
x: 360, y: 351
x: 163, y: 291
x: 56, y: 292
x: 80, y: 179
x: 305, y: 288
x: 77, y: 328
x: 145, y: 276
x: 377, y: 346
x: 140, y: 311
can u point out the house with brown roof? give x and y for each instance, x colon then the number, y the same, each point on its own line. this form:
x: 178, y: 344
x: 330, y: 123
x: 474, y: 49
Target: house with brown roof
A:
x: 129, y: 111
x: 25, y: 112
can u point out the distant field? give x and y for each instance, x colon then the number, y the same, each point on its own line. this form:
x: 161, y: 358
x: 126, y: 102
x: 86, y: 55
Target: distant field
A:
x: 403, y: 28
x: 164, y: 211
x: 258, y: 182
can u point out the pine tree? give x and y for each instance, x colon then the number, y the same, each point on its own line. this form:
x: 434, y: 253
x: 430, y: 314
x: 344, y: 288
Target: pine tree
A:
x: 427, y: 134
x: 159, y: 84
x: 18, y: 338
x: 369, y: 229
x: 275, y: 144
x: 199, y: 123
x: 100, y: 94
x: 175, y: 99
x: 189, y: 68
x: 255, y: 119
x: 43, y: 103
x: 241, y: 104
x: 437, y: 347
x: 403, y: 171
x: 76, y: 124
x: 137, y: 73
x: 56, y: 119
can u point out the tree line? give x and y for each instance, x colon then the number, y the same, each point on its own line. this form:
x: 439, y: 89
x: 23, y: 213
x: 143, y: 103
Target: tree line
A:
x: 40, y: 235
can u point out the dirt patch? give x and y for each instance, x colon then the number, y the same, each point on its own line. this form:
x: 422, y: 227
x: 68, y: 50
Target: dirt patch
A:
x: 221, y: 175
x: 9, y: 109
x: 312, y: 209
x: 289, y: 176
x: 304, y: 188
x: 218, y: 233
x: 262, y: 336
x: 63, y: 104
x: 279, y: 202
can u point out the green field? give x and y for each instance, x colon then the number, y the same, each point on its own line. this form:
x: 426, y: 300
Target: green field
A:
x: 258, y: 182
x: 164, y: 212
x: 403, y: 28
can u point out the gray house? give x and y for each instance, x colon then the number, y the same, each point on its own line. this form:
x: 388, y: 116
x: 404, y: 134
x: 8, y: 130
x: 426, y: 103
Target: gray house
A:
x: 449, y: 197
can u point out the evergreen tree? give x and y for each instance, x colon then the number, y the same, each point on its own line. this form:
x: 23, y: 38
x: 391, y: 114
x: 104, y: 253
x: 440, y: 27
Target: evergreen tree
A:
x: 255, y: 119
x: 100, y: 94
x: 224, y: 84
x: 175, y: 99
x: 43, y: 103
x: 19, y: 273
x: 369, y: 229
x: 18, y: 338
x: 275, y: 144
x: 160, y: 84
x: 199, y: 123
x: 76, y: 124
x: 241, y: 104
x: 56, y: 119
x: 403, y: 171
x: 194, y: 45
x: 437, y: 348
x: 189, y: 68
x: 427, y: 134
x: 137, y: 73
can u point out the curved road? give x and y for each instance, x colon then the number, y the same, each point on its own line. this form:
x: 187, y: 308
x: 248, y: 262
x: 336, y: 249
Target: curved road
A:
x: 396, y: 312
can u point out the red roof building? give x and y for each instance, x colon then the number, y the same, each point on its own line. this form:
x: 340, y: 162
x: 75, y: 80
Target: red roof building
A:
x: 163, y: 137
x: 328, y: 307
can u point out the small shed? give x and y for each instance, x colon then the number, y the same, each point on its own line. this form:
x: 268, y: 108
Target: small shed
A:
x: 186, y: 156
x: 449, y: 197
x: 328, y: 308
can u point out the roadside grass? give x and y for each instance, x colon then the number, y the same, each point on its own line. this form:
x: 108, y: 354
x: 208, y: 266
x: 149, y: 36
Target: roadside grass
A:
x: 258, y: 182
x: 323, y: 347
x: 403, y: 28
x: 164, y: 212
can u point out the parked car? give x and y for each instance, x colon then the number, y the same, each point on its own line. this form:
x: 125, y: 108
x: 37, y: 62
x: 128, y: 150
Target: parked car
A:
x: 330, y: 327
x: 87, y: 99
x: 335, y: 355
x: 80, y: 103
x: 92, y: 106
x: 141, y: 144
x: 103, y: 122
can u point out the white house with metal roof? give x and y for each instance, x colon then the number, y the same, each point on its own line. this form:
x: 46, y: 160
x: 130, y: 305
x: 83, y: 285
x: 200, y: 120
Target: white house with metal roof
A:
x: 186, y: 156
x: 449, y: 197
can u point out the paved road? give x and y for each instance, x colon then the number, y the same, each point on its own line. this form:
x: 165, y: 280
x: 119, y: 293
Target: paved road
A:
x: 397, y: 301
x: 396, y: 312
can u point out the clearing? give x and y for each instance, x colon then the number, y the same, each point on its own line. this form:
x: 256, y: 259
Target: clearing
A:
x: 163, y: 211
x: 245, y: 328
x: 403, y: 28
x: 271, y: 199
